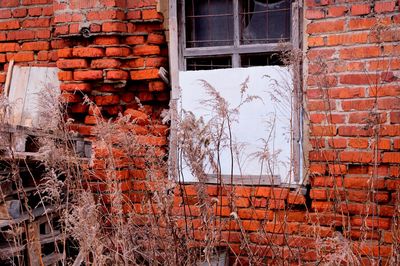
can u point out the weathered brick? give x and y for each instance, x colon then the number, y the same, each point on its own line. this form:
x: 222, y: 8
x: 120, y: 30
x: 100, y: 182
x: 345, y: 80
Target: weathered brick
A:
x: 88, y: 75
x: 146, y: 50
x: 72, y: 63
x: 144, y: 74
x: 105, y: 63
x: 117, y: 74
x: 118, y: 51
x: 88, y: 52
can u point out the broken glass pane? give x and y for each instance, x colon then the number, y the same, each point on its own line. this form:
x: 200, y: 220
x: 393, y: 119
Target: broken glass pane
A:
x: 265, y: 21
x: 209, y: 23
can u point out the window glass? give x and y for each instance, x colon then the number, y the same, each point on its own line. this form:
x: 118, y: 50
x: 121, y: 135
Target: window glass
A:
x: 265, y: 21
x: 209, y: 23
x: 266, y: 59
x: 209, y: 63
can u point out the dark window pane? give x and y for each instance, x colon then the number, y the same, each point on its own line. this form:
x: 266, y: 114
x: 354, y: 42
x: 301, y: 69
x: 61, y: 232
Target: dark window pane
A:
x: 265, y: 21
x: 267, y: 59
x: 208, y: 63
x: 209, y: 23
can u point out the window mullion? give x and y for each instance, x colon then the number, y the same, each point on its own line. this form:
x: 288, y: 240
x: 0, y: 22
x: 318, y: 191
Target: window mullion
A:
x: 236, y: 33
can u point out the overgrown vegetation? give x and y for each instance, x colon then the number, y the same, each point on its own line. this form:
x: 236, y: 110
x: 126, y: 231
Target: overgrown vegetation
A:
x: 121, y: 209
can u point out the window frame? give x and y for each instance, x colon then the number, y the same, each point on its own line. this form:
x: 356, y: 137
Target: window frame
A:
x: 237, y: 49
x: 177, y: 61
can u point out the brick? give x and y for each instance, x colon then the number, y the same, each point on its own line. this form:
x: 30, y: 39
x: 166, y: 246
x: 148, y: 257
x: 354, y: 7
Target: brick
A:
x: 88, y: 52
x: 106, y: 40
x: 359, y: 105
x: 391, y: 157
x: 356, y: 157
x: 337, y: 143
x: 72, y: 87
x: 118, y: 51
x: 363, y: 23
x: 360, y: 52
x: 64, y: 53
x: 4, y: 14
x: 141, y: 119
x: 155, y: 62
x: 152, y: 15
x: 107, y: 100
x: 9, y: 3
x: 9, y: 47
x: 359, y: 79
x: 144, y: 74
x: 157, y: 86
x: 354, y: 131
x: 359, y: 143
x: 346, y: 93
x: 88, y: 75
x: 35, y: 46
x: 35, y: 2
x: 322, y: 156
x: 146, y: 50
x: 134, y: 40
x: 322, y: 27
x: 314, y: 14
x: 389, y: 103
x: 105, y: 63
x: 9, y: 25
x: 20, y: 35
x: 21, y: 57
x: 117, y: 75
x: 72, y: 63
x: 105, y: 15
x: 336, y: 11
x: 352, y: 38
x: 114, y: 27
x: 362, y: 9
x: 383, y: 7
x: 322, y: 130
x: 316, y: 41
x: 155, y: 38
x: 36, y: 23
x: 65, y: 75
x: 35, y: 11
x: 134, y: 15
x: 79, y: 108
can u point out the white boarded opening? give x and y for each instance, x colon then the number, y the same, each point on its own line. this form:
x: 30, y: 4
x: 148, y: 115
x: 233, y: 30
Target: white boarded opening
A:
x: 263, y: 125
x: 33, y: 91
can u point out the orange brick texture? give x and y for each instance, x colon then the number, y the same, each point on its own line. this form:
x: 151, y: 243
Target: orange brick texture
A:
x: 352, y: 88
x: 352, y: 100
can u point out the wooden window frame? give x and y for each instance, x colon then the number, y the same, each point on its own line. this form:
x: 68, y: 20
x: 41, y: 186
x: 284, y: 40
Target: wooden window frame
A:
x: 237, y: 49
x: 178, y: 54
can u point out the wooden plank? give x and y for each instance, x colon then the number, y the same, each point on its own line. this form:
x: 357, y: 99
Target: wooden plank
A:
x: 244, y: 180
x: 174, y: 62
x: 52, y: 258
x: 10, y: 250
x: 51, y: 237
x: 8, y: 79
x: 242, y: 49
x: 17, y: 93
x: 33, y: 244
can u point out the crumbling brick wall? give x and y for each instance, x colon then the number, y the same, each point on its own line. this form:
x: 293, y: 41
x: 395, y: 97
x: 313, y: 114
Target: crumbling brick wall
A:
x: 111, y: 51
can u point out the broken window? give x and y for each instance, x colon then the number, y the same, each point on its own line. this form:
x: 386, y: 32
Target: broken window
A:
x: 225, y: 43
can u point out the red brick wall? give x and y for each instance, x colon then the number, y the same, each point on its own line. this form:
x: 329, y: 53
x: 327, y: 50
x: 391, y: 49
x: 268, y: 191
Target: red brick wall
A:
x: 351, y: 88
